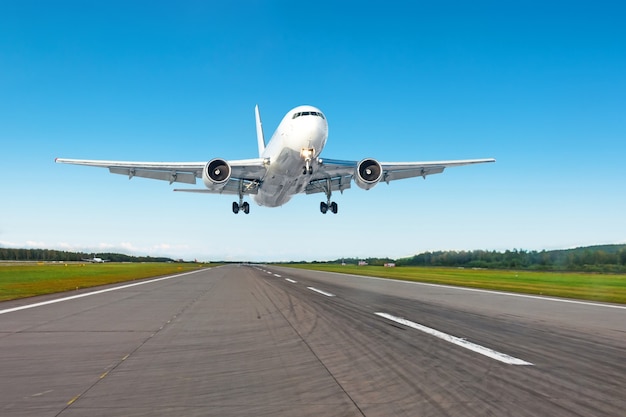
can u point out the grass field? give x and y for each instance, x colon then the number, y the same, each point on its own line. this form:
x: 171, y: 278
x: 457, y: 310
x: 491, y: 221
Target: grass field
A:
x: 596, y: 287
x: 30, y: 279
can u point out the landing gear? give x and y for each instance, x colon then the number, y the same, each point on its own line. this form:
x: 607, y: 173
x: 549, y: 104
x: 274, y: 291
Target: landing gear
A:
x: 324, y: 207
x: 245, y: 207
x: 308, y: 169
x: 307, y: 154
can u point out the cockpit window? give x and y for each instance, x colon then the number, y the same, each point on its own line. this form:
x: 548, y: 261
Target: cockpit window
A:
x: 308, y: 113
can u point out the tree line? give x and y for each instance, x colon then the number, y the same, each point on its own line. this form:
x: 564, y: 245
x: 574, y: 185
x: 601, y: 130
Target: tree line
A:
x: 51, y: 255
x: 606, y: 258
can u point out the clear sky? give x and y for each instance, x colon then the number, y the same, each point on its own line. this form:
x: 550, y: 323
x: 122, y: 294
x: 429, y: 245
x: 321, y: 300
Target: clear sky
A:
x: 539, y: 85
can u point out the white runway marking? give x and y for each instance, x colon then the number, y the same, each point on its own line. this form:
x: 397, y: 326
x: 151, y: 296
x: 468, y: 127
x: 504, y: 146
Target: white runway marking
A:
x: 457, y: 341
x: 327, y: 294
x: 290, y: 280
x: 276, y: 275
x: 87, y: 294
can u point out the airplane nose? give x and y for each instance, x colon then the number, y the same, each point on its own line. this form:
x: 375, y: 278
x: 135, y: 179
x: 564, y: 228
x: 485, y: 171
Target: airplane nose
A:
x: 313, y: 126
x: 309, y: 132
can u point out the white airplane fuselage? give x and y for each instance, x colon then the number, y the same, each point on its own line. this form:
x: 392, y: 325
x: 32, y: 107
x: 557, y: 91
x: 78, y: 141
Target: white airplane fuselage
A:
x: 301, y: 135
x: 288, y: 164
x: 95, y: 260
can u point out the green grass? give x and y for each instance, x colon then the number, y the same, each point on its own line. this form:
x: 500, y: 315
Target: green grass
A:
x: 595, y: 287
x: 31, y: 279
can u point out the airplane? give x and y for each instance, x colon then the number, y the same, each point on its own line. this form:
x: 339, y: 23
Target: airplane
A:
x: 287, y: 165
x: 95, y: 260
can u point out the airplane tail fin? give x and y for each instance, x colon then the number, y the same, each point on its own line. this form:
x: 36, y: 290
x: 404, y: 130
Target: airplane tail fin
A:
x: 259, y: 131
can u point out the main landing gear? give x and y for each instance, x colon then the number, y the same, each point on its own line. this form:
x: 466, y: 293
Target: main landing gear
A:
x: 245, y: 207
x: 324, y: 207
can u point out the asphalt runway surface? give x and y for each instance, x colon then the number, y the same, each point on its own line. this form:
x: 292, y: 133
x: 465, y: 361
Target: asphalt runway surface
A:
x: 269, y: 341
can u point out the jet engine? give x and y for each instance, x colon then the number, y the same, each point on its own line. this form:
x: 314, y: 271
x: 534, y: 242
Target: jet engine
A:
x: 216, y: 174
x: 368, y: 173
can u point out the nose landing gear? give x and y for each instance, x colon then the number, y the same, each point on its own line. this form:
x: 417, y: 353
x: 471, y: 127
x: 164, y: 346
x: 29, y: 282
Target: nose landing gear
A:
x: 308, y: 169
x: 307, y: 154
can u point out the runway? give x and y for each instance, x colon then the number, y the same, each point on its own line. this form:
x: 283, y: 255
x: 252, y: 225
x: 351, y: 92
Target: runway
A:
x: 270, y: 341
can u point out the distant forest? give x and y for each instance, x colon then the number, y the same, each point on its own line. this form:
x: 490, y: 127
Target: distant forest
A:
x: 48, y: 255
x: 605, y: 258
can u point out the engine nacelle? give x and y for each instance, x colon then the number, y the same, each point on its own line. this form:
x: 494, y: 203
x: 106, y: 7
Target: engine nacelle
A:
x: 368, y: 173
x: 216, y: 174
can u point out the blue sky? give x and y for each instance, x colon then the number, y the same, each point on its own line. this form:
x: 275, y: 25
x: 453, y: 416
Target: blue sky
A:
x: 541, y: 87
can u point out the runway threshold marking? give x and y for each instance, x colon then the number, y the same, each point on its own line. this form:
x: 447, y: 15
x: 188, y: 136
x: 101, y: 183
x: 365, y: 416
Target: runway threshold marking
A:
x: 327, y: 294
x: 493, y: 354
x: 87, y: 294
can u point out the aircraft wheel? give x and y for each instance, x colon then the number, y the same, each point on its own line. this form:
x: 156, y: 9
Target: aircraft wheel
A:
x: 333, y: 207
x: 323, y: 207
x: 246, y: 208
x: 235, y: 207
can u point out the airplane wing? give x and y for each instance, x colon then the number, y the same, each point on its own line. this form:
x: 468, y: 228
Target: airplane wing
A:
x: 340, y: 172
x: 246, y: 174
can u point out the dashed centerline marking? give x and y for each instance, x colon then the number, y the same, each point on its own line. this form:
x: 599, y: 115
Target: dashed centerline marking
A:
x: 290, y: 280
x: 73, y: 400
x: 278, y: 276
x: 327, y: 294
x: 39, y: 394
x: 493, y: 354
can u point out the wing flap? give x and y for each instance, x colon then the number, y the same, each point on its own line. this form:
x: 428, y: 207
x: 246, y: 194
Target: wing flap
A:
x: 400, y: 170
x: 195, y: 167
x: 400, y: 174
x: 164, y: 175
x: 395, y: 170
x: 232, y: 187
x: 249, y: 170
x: 336, y: 184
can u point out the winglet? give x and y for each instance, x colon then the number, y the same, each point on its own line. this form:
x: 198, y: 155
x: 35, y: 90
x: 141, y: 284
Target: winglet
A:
x: 259, y: 131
